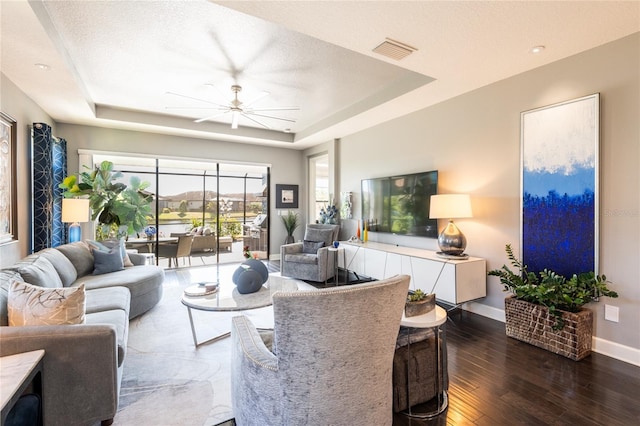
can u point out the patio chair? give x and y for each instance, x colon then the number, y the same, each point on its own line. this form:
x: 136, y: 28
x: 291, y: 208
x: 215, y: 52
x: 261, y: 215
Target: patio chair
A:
x: 177, y: 250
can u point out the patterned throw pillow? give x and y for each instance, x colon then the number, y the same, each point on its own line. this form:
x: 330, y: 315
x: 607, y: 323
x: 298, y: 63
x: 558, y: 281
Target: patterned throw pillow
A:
x: 33, y: 305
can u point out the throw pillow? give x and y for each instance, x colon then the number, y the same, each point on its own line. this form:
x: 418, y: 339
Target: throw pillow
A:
x: 32, y: 305
x: 37, y: 270
x: 79, y: 253
x: 107, y: 245
x: 107, y: 261
x: 311, y: 247
x: 7, y: 278
x: 319, y: 234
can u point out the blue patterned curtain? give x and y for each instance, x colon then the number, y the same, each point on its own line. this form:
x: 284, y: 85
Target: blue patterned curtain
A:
x: 48, y: 171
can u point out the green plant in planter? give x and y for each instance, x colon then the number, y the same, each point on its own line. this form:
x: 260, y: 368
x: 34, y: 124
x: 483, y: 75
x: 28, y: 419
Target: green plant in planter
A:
x: 549, y: 289
x: 113, y: 204
x: 416, y: 295
x: 291, y: 222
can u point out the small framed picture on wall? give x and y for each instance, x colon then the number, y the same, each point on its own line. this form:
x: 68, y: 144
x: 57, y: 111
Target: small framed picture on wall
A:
x: 286, y: 196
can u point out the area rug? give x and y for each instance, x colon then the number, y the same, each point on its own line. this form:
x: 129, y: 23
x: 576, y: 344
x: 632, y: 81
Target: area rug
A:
x: 166, y: 380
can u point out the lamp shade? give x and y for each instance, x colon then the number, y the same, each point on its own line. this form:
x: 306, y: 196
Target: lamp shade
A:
x: 450, y: 206
x: 75, y: 210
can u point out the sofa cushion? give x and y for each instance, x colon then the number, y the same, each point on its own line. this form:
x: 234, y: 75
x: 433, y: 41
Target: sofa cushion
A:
x: 107, y: 261
x: 311, y: 247
x: 7, y: 277
x: 119, y: 319
x: 34, y: 305
x: 108, y: 298
x: 144, y: 283
x: 63, y: 266
x: 37, y: 270
x: 80, y: 256
x: 310, y: 259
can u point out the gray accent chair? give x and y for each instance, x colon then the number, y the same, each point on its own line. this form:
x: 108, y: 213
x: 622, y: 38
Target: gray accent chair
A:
x: 322, y: 369
x: 318, y: 266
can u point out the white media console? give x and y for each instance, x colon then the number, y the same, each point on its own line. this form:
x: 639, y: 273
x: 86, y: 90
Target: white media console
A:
x: 453, y: 281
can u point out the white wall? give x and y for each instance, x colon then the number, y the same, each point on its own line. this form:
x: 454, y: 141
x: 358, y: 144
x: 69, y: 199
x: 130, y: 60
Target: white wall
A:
x: 287, y: 166
x: 474, y: 143
x: 26, y: 112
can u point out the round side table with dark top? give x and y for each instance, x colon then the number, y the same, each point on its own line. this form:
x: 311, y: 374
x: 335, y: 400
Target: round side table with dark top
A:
x: 416, y: 327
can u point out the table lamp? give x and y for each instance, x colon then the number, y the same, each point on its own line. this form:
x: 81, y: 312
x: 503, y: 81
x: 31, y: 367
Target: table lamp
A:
x: 451, y: 241
x: 74, y: 211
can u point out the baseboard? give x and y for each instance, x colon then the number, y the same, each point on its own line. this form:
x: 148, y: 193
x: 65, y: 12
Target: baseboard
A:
x: 616, y: 350
x: 601, y: 346
x: 484, y: 310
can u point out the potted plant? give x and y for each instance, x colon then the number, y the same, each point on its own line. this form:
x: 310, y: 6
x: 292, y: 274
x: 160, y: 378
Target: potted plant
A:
x: 419, y: 303
x: 291, y: 222
x: 113, y: 204
x: 546, y: 309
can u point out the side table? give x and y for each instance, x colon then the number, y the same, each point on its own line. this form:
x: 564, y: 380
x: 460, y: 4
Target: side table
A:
x: 17, y: 372
x: 336, y: 255
x: 433, y: 320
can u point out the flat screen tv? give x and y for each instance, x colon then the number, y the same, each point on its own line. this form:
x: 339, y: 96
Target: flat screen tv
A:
x: 400, y: 204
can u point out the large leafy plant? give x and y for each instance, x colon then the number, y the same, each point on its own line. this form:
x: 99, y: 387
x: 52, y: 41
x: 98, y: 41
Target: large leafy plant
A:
x: 113, y: 204
x: 549, y: 289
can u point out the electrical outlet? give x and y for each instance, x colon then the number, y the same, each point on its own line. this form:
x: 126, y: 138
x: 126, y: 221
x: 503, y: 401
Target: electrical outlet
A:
x: 611, y: 313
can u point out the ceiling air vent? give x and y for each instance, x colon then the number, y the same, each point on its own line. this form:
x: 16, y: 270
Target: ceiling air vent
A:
x: 394, y: 49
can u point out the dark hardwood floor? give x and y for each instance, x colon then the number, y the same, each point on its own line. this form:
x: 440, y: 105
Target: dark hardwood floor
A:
x: 496, y: 380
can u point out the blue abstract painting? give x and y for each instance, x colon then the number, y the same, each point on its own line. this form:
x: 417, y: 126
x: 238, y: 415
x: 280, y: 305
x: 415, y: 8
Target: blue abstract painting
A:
x: 560, y: 186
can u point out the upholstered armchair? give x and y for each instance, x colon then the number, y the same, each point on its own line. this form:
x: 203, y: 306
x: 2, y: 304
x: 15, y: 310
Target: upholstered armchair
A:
x: 322, y: 369
x: 310, y: 260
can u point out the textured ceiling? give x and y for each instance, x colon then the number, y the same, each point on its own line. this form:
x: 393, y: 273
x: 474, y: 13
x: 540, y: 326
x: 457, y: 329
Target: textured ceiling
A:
x: 114, y: 62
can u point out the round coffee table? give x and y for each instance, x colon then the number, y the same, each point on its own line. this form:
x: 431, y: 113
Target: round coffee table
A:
x: 228, y: 299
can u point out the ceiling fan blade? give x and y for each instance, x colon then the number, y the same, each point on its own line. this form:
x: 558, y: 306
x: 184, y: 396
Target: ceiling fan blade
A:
x: 269, y: 116
x: 276, y: 109
x: 255, y: 121
x: 210, y: 117
x: 256, y: 99
x: 184, y: 107
x: 195, y: 99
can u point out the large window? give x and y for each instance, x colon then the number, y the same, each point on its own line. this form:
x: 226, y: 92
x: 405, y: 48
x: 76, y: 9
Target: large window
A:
x: 318, y: 184
x: 227, y: 200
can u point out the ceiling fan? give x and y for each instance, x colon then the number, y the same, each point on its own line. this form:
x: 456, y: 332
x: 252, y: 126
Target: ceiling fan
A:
x: 238, y: 108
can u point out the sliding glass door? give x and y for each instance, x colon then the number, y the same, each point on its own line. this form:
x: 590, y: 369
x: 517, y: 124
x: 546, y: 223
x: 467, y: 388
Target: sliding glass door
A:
x: 223, y: 206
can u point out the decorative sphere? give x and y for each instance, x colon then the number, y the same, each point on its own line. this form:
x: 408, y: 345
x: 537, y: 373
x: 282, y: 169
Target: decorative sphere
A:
x: 249, y: 281
x: 250, y: 276
x: 259, y: 267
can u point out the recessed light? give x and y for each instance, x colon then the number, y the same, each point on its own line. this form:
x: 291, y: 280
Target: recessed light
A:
x: 537, y: 49
x: 43, y: 67
x: 287, y: 130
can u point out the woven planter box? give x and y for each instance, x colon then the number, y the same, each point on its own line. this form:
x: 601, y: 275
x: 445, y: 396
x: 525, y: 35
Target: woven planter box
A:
x: 532, y: 324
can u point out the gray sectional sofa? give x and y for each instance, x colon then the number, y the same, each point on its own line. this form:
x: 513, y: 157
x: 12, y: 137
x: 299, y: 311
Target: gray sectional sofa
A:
x: 83, y: 363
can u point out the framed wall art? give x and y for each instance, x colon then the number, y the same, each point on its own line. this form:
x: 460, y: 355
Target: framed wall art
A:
x: 286, y: 196
x: 559, y: 181
x: 8, y: 203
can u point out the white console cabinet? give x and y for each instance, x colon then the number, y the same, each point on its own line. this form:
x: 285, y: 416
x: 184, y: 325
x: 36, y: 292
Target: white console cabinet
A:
x: 453, y: 281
